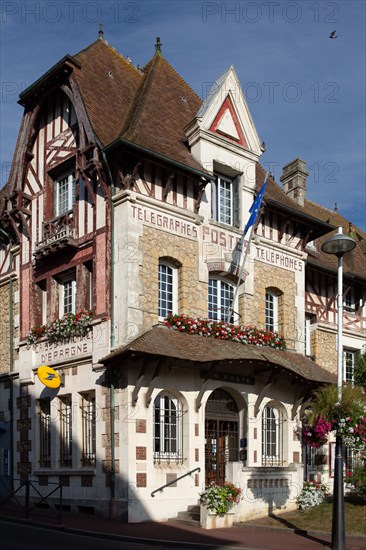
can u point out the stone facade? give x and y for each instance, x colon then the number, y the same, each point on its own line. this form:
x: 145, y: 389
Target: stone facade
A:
x: 5, y: 324
x: 184, y: 254
x: 284, y: 283
x: 325, y: 349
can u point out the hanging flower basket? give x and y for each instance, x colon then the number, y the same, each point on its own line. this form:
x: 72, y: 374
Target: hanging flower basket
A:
x: 226, y: 331
x: 347, y: 418
x: 71, y: 325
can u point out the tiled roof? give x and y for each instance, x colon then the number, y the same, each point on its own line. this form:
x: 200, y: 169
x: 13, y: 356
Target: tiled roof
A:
x: 354, y: 262
x: 108, y: 84
x: 275, y: 193
x: 148, y: 107
x: 167, y: 342
x: 163, y: 106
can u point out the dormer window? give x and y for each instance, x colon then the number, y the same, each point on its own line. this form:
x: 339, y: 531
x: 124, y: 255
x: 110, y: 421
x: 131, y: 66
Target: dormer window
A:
x: 65, y: 194
x: 225, y: 200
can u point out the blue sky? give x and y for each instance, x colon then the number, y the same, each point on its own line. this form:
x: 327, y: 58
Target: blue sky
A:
x: 306, y: 92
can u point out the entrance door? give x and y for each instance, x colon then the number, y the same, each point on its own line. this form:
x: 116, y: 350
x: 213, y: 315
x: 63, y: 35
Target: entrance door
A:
x: 221, y: 435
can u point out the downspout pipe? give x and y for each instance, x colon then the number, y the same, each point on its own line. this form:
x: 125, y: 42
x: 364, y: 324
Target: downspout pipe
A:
x: 112, y: 343
x: 112, y: 335
x: 11, y: 356
x: 113, y: 470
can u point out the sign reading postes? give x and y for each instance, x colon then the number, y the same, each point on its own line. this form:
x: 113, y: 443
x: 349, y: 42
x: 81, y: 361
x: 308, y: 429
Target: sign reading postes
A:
x: 49, y: 377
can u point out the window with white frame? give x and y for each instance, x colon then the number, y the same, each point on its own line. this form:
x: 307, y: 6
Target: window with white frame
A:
x: 272, y: 437
x: 271, y: 311
x: 220, y: 300
x: 88, y: 414
x: 65, y: 411
x: 349, y: 362
x: 67, y: 291
x: 349, y: 303
x: 168, y: 289
x: 225, y: 200
x: 65, y: 194
x: 168, y: 432
x: 44, y: 433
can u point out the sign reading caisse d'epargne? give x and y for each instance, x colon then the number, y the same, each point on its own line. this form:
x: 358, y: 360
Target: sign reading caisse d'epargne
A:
x: 54, y: 352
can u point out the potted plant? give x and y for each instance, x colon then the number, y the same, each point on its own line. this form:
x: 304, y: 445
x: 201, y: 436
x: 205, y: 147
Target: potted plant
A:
x: 217, y: 502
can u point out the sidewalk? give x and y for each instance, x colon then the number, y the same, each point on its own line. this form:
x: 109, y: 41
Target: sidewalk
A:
x: 180, y: 535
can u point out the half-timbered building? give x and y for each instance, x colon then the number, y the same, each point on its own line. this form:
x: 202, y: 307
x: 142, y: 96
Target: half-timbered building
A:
x: 126, y: 204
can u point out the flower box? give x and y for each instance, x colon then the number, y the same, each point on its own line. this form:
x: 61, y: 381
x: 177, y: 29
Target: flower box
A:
x: 71, y: 325
x: 210, y: 520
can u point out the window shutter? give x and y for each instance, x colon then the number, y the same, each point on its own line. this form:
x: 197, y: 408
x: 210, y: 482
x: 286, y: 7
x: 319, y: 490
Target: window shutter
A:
x: 214, y: 212
x: 236, y: 202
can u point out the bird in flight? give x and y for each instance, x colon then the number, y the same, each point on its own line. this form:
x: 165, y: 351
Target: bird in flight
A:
x: 333, y: 34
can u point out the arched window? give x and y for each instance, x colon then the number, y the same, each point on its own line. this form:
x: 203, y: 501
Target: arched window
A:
x: 168, y: 433
x: 168, y: 295
x: 272, y: 448
x: 271, y: 310
x: 220, y: 299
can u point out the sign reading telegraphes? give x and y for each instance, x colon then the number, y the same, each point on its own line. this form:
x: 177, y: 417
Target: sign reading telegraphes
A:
x: 157, y: 219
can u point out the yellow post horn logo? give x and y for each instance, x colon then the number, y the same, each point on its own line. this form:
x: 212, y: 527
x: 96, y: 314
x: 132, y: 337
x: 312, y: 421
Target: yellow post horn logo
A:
x: 49, y: 377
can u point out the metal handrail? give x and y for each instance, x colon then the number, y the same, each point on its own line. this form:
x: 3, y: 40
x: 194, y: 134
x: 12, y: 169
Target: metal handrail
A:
x: 198, y: 469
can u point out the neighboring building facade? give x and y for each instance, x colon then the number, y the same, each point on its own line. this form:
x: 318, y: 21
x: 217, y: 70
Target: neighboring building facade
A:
x: 128, y: 198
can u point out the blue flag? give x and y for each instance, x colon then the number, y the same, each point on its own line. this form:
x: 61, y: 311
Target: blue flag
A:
x: 255, y: 208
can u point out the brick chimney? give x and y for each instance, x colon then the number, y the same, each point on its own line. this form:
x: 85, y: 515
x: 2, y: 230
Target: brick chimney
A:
x: 294, y: 180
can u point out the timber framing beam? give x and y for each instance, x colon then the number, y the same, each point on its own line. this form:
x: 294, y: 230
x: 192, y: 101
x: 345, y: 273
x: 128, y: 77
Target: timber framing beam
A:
x: 203, y: 388
x: 157, y: 364
x: 296, y: 405
x: 199, y: 190
x: 263, y: 392
x: 139, y: 363
x: 168, y: 185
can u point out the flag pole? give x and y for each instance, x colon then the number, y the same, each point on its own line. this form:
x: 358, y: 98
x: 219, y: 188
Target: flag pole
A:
x: 255, y: 216
x: 240, y: 279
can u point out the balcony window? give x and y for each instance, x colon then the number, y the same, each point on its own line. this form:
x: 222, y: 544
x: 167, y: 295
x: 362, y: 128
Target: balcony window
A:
x: 65, y: 194
x: 220, y: 299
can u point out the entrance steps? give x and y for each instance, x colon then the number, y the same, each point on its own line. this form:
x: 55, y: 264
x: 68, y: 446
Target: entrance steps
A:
x: 191, y: 516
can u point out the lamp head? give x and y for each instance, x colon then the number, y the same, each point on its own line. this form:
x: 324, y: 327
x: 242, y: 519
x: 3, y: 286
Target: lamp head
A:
x: 338, y: 244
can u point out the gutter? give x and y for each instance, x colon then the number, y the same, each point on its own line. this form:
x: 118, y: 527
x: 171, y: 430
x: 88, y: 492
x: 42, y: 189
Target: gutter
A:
x: 298, y: 213
x: 66, y: 61
x: 347, y: 275
x: 141, y: 149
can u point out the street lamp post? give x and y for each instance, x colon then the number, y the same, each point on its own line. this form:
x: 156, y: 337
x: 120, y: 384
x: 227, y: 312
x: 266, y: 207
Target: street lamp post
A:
x: 339, y: 245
